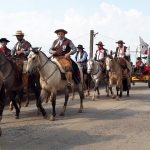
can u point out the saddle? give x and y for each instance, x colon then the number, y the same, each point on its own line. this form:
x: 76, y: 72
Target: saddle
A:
x: 75, y: 71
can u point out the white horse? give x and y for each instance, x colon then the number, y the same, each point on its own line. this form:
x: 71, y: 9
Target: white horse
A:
x: 93, y: 68
x: 50, y: 80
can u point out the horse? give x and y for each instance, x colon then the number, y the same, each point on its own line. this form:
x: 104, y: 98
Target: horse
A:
x: 86, y: 78
x: 94, y: 69
x: 51, y: 81
x: 29, y: 81
x: 10, y: 77
x: 114, y: 76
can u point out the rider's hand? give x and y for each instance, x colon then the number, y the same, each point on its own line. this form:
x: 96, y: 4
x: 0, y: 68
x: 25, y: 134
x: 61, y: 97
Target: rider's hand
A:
x: 67, y: 55
x: 53, y: 52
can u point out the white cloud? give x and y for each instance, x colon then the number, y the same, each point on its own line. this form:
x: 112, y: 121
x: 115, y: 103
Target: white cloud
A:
x: 110, y: 21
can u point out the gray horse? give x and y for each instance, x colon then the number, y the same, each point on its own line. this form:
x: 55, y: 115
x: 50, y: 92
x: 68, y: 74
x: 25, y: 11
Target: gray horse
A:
x: 94, y: 68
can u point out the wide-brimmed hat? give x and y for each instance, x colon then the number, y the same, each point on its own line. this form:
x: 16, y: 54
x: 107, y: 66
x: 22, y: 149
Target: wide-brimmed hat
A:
x: 19, y: 32
x: 138, y: 58
x: 61, y: 30
x: 80, y: 46
x: 100, y: 43
x: 4, y: 40
x: 120, y: 42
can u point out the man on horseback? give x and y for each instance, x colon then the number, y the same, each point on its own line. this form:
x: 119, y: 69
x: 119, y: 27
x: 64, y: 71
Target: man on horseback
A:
x: 22, y: 47
x: 101, y: 52
x: 20, y: 53
x: 121, y: 49
x: 61, y: 49
x: 81, y: 58
x: 100, y: 55
x: 123, y: 60
x: 4, y: 49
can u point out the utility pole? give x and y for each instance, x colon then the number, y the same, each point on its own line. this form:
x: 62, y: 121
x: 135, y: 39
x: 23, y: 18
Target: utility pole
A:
x: 91, y: 43
x: 92, y: 35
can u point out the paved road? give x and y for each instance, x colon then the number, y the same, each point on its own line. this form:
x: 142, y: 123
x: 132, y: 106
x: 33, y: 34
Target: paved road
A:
x: 105, y: 124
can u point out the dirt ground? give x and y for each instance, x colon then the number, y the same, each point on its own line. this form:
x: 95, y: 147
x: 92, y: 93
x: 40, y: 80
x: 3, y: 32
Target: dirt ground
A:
x: 104, y: 124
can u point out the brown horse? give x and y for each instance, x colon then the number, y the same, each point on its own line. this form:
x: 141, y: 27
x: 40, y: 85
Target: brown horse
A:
x: 115, y: 76
x: 11, y: 81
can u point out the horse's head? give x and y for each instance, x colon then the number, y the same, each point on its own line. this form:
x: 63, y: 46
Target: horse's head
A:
x: 108, y: 62
x: 90, y: 65
x: 33, y: 59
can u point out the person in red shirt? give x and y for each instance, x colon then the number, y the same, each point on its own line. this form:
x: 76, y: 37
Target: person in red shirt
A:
x: 139, y: 63
x: 4, y: 49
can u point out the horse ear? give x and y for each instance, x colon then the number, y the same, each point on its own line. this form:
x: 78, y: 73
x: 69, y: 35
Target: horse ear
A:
x: 35, y: 50
x: 40, y: 48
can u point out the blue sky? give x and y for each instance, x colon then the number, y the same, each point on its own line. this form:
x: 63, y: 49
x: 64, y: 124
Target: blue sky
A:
x: 113, y: 19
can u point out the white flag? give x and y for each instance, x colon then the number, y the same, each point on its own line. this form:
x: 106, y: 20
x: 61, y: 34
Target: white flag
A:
x: 143, y: 46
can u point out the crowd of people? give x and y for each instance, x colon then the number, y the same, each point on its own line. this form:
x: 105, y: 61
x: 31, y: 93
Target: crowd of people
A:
x: 62, y: 48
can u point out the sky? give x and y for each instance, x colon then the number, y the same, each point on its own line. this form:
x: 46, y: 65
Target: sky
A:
x: 113, y: 20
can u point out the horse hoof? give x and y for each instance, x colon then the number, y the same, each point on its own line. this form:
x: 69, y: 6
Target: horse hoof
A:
x: 26, y: 105
x: 11, y: 108
x: 114, y: 97
x: 52, y: 118
x: 62, y: 114
x: 80, y: 111
x: 93, y: 99
x: 0, y: 132
x: 17, y: 117
x: 117, y: 98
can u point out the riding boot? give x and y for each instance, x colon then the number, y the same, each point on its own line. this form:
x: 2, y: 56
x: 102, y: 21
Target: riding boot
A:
x: 69, y: 78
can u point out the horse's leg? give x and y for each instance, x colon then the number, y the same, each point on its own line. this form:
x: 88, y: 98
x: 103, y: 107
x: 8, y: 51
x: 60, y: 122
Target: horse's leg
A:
x: 95, y: 89
x: 13, y: 97
x: 80, y: 90
x: 2, y: 101
x: 88, y: 83
x: 39, y: 103
x: 20, y: 95
x: 73, y: 92
x: 110, y: 88
x: 10, y: 105
x: 25, y: 81
x: 53, y: 101
x: 66, y: 101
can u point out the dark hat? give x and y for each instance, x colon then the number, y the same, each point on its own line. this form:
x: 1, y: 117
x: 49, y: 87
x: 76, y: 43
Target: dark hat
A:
x: 4, y: 40
x: 138, y: 58
x: 61, y: 30
x: 100, y: 43
x: 120, y: 42
x: 80, y: 46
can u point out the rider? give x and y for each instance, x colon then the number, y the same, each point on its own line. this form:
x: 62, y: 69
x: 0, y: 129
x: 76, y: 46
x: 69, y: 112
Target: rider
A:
x: 21, y: 51
x: 61, y: 49
x: 139, y: 64
x: 22, y: 47
x: 122, y: 58
x: 100, y: 55
x: 121, y: 49
x: 3, y: 49
x: 101, y: 52
x: 81, y: 57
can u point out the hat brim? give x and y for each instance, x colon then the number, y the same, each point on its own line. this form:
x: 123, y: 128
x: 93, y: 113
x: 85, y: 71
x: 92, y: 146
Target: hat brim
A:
x: 81, y: 47
x: 18, y: 35
x: 120, y: 42
x: 100, y: 44
x: 4, y: 41
x: 61, y: 30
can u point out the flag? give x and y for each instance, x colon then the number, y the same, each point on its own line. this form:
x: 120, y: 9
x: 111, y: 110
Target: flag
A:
x: 143, y: 46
